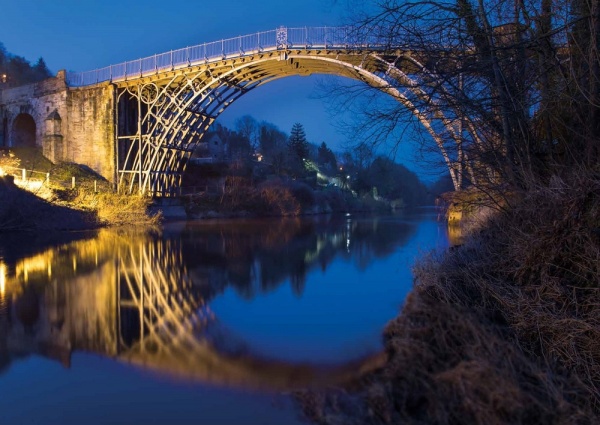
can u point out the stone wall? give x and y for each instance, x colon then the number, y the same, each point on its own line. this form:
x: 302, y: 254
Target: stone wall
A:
x: 71, y: 124
x: 90, y: 129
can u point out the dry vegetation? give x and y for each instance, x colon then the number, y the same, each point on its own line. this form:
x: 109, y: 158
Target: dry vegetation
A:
x: 274, y: 198
x: 55, y: 208
x: 22, y: 210
x: 502, y: 330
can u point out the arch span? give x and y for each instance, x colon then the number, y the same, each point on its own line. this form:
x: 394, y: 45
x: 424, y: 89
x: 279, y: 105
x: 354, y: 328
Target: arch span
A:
x: 162, y: 116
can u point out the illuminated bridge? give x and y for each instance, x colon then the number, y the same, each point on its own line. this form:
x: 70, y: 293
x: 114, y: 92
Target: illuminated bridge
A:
x: 129, y: 297
x: 138, y: 122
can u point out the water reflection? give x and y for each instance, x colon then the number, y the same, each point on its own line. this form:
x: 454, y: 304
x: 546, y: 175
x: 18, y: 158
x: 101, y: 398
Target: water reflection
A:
x: 145, y: 297
x: 258, y: 255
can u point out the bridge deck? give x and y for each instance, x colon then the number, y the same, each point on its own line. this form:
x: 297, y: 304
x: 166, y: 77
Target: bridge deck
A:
x: 307, y: 38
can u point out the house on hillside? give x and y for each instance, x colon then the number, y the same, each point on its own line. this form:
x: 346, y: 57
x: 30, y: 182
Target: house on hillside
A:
x: 210, y: 149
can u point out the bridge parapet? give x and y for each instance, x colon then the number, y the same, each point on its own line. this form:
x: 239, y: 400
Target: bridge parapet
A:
x: 282, y: 38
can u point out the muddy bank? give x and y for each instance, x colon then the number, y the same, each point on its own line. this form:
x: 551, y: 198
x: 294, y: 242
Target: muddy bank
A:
x: 503, y: 330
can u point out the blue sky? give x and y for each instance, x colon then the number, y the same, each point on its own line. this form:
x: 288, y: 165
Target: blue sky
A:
x: 80, y: 35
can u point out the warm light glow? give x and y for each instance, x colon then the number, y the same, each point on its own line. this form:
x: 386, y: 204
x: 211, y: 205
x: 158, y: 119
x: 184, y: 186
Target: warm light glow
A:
x: 2, y: 278
x: 2, y: 172
x: 36, y: 264
x: 30, y: 185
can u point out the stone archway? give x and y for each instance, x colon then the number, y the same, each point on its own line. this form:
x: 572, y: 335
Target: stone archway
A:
x: 23, y: 131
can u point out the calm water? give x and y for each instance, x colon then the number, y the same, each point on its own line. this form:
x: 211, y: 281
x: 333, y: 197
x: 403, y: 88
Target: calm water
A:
x: 207, y: 322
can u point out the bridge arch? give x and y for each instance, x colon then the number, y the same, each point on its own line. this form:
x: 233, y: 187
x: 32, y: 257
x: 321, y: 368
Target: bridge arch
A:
x: 23, y: 132
x: 163, y: 115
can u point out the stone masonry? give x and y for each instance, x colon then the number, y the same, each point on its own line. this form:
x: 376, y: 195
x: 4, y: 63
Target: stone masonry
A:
x: 71, y: 124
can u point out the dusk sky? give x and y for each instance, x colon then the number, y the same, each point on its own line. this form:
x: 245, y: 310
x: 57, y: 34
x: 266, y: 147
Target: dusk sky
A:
x: 84, y: 35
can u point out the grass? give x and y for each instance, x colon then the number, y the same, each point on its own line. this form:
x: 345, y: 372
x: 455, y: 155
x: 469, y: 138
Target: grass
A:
x: 21, y: 210
x: 56, y: 205
x: 502, y: 330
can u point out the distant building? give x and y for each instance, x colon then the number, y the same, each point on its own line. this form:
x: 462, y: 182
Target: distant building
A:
x: 210, y: 149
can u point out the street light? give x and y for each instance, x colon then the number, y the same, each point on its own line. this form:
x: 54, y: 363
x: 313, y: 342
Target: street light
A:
x: 3, y: 78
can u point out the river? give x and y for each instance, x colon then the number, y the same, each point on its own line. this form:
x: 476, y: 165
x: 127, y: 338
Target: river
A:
x: 198, y: 322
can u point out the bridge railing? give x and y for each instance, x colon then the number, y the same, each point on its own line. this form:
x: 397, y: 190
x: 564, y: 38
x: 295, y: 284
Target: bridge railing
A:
x: 281, y: 38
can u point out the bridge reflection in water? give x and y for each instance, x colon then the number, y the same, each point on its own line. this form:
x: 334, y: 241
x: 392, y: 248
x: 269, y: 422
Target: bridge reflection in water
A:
x: 144, y: 297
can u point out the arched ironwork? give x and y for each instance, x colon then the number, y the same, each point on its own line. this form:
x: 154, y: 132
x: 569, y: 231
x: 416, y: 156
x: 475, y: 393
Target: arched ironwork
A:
x: 167, y: 102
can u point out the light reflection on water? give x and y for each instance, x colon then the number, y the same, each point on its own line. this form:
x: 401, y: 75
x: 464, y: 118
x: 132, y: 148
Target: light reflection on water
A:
x: 247, y: 304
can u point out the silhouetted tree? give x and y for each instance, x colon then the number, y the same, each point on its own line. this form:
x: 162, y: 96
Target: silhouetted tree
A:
x: 326, y: 158
x: 272, y: 142
x: 298, y: 144
x: 297, y: 149
x: 512, y: 88
x: 248, y: 128
x: 19, y: 71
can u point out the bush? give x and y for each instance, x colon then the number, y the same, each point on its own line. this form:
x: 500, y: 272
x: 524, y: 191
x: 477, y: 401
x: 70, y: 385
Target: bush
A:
x: 280, y: 200
x: 115, y: 209
x: 303, y: 193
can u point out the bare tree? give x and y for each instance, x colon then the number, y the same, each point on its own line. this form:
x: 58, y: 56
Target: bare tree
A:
x: 248, y: 127
x: 506, y: 90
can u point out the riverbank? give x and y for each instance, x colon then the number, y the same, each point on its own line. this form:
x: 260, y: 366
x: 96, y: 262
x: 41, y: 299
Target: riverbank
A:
x: 504, y: 329
x: 279, y: 199
x: 68, y: 209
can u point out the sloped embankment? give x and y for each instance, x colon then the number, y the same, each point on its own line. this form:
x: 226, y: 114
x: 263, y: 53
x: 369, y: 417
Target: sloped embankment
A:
x: 21, y: 210
x: 503, y: 330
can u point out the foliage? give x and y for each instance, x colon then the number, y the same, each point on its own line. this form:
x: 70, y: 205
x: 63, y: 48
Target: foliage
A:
x: 240, y: 198
x: 392, y: 181
x: 272, y: 142
x: 8, y: 160
x: 297, y: 150
x: 298, y: 144
x: 248, y: 128
x: 115, y: 209
x: 19, y: 71
x: 326, y: 158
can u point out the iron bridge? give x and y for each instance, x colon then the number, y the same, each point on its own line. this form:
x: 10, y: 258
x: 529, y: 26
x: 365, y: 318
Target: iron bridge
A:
x: 167, y: 102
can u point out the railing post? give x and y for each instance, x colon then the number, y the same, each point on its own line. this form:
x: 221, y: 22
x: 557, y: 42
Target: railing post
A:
x: 73, y: 182
x: 172, y: 67
x: 23, y: 174
x: 306, y: 38
x: 110, y: 72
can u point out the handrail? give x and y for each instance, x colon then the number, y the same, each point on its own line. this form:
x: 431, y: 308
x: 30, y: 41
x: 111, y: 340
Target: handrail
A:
x: 282, y: 38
